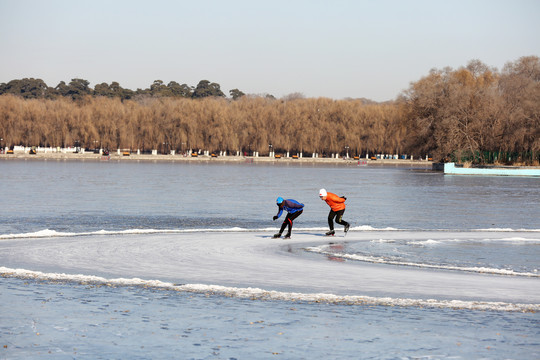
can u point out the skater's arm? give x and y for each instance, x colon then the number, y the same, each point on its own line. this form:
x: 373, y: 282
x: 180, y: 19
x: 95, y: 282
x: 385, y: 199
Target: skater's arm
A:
x: 279, y: 213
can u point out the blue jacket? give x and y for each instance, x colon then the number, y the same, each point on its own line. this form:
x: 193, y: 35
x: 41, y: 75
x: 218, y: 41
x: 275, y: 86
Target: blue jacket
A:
x: 291, y: 206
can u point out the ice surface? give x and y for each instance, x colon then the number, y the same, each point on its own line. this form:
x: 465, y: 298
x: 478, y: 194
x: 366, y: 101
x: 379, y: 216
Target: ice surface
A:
x: 252, y: 264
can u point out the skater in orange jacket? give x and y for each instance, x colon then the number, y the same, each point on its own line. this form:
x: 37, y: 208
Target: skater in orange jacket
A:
x: 337, y: 208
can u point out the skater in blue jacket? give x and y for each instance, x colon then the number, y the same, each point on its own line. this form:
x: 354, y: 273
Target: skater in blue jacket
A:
x: 293, y: 209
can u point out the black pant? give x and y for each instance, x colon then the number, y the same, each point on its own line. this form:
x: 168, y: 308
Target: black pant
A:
x: 339, y: 218
x: 288, y: 221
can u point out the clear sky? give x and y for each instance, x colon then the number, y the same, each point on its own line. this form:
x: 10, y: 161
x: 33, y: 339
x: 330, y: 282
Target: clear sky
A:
x: 336, y: 48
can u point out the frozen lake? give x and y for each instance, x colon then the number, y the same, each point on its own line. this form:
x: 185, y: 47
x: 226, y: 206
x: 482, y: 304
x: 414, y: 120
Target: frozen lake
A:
x: 138, y: 260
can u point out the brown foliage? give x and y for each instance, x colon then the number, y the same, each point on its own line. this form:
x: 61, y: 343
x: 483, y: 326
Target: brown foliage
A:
x: 476, y: 110
x: 215, y: 124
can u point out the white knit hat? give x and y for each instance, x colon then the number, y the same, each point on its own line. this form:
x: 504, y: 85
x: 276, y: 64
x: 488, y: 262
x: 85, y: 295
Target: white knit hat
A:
x: 322, y: 192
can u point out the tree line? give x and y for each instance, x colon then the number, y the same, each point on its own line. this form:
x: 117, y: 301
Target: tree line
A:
x: 474, y: 113
x: 76, y: 89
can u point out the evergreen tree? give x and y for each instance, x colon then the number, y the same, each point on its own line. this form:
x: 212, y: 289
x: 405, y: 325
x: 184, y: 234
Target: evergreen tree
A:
x: 236, y: 94
x: 207, y: 89
x: 28, y: 88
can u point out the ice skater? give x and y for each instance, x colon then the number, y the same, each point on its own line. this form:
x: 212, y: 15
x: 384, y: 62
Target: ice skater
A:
x: 337, y: 208
x: 293, y: 209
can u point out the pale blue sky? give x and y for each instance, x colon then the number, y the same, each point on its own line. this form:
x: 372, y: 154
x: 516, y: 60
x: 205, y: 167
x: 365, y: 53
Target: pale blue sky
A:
x: 335, y: 48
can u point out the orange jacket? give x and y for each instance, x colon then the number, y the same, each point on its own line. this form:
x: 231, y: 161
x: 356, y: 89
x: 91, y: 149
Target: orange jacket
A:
x: 335, y: 202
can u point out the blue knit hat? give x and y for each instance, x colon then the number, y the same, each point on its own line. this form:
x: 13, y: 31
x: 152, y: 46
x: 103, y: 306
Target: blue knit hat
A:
x: 279, y: 200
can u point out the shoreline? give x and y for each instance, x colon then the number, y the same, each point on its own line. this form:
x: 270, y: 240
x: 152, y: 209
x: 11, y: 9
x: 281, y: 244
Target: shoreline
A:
x: 209, y: 159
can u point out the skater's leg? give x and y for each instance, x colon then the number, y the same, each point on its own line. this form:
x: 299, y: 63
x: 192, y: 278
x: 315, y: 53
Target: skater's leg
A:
x: 331, y: 216
x: 290, y: 218
x: 340, y: 221
x: 284, y: 225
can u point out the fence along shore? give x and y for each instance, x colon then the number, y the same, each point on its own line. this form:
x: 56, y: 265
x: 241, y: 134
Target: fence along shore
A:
x: 71, y: 153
